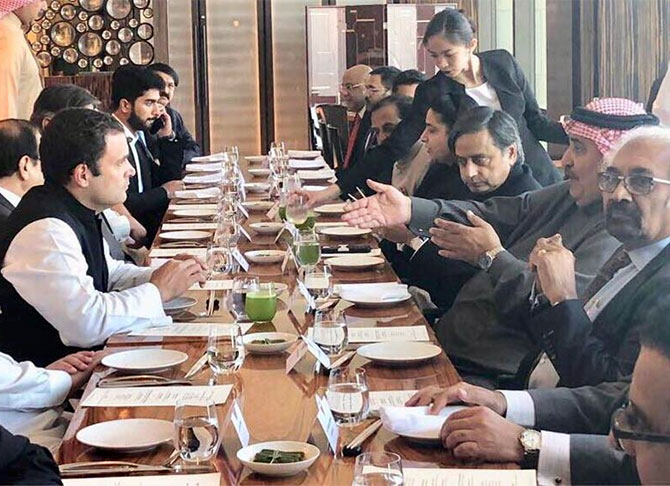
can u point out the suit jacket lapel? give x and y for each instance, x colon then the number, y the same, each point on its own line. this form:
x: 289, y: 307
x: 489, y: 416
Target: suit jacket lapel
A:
x: 6, y: 204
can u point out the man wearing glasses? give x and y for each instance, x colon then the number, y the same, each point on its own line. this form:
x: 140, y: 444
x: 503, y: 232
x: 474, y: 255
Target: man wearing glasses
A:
x: 353, y: 94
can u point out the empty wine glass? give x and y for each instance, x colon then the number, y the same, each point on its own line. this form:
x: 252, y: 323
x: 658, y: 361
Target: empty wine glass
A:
x: 219, y: 261
x: 196, y: 425
x: 225, y: 351
x: 233, y: 153
x: 378, y: 469
x: 348, y: 395
x: 330, y: 332
x: 318, y: 283
x: 238, y: 294
x: 278, y: 148
x: 227, y: 231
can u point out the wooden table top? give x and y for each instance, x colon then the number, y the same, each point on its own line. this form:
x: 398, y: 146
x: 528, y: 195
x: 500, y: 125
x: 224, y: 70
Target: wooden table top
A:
x: 277, y: 406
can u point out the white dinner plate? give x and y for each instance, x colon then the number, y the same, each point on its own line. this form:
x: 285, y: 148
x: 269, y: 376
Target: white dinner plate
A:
x: 267, y: 228
x: 304, y: 154
x: 330, y: 209
x: 194, y: 213
x: 268, y: 348
x: 208, y: 159
x: 257, y: 186
x: 257, y: 205
x: 256, y: 159
x: 209, y: 193
x: 185, y: 235
x: 265, y: 256
x: 127, y: 435
x: 376, y: 299
x: 316, y: 175
x: 314, y: 188
x: 306, y: 164
x: 354, y: 262
x: 178, y: 305
x: 260, y: 172
x: 246, y: 457
x: 203, y: 179
x: 203, y: 168
x: 399, y: 352
x: 344, y: 232
x: 144, y: 360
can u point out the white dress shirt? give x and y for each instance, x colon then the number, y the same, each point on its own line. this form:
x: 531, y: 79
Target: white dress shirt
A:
x: 47, y: 267
x: 132, y: 141
x: 12, y: 198
x: 28, y: 400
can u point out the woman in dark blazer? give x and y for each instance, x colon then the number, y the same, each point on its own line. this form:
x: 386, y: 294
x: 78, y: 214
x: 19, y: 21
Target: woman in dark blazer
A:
x: 487, y: 78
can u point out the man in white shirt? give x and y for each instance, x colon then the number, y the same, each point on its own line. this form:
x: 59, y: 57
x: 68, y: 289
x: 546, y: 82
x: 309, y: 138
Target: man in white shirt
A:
x: 60, y: 291
x: 20, y: 167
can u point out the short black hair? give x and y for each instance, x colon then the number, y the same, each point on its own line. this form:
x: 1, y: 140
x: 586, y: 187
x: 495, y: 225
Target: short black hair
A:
x: 409, y: 77
x: 388, y: 75
x: 56, y: 97
x: 165, y: 69
x: 655, y: 334
x: 17, y: 138
x: 402, y: 103
x: 130, y: 82
x: 446, y: 108
x: 454, y: 25
x: 75, y: 136
x: 500, y: 125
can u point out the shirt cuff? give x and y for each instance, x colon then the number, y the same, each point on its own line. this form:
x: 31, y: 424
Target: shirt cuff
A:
x: 520, y: 407
x: 424, y: 212
x: 60, y: 384
x: 553, y: 467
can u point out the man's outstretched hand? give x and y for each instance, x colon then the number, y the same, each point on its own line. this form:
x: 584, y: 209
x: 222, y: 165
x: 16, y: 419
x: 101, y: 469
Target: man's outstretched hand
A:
x: 389, y: 207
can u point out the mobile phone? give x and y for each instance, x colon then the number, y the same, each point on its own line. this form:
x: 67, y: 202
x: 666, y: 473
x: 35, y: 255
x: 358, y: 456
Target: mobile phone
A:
x: 156, y: 126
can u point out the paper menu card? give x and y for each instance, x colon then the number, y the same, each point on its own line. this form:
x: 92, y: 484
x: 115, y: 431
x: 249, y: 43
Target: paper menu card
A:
x: 213, y: 285
x: 188, y: 226
x: 391, y: 398
x: 171, y: 252
x: 210, y: 479
x: 192, y: 329
x: 155, y: 396
x: 469, y: 477
x: 381, y: 334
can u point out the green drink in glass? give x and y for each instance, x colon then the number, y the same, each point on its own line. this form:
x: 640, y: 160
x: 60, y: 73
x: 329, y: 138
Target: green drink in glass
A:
x: 308, y: 224
x: 261, y: 304
x: 308, y: 253
x: 282, y: 213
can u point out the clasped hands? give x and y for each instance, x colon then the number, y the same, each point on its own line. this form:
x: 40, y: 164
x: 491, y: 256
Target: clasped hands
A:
x: 554, y: 265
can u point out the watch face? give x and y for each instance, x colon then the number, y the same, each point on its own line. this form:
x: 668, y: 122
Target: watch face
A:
x: 531, y: 440
x: 485, y: 261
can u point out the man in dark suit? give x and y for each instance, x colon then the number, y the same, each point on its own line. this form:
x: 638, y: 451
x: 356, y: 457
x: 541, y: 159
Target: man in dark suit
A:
x: 353, y: 93
x: 24, y: 463
x: 20, y: 167
x: 135, y: 95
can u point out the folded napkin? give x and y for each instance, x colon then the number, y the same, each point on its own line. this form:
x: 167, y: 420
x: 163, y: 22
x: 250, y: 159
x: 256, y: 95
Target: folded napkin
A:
x: 373, y: 291
x: 211, y: 192
x: 203, y: 179
x: 415, y: 421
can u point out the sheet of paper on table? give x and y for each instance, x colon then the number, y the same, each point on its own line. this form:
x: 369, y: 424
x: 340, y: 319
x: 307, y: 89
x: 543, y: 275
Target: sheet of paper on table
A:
x: 213, y: 285
x: 211, y: 479
x: 208, y: 206
x: 191, y: 329
x: 381, y: 334
x: 155, y: 396
x: 170, y: 252
x: 188, y: 226
x: 469, y: 477
x: 389, y: 398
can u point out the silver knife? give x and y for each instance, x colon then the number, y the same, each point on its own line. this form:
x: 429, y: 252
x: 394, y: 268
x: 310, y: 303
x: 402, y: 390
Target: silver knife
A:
x: 197, y: 366
x: 90, y: 469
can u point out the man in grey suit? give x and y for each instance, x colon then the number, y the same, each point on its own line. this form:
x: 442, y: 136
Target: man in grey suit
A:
x: 20, y: 167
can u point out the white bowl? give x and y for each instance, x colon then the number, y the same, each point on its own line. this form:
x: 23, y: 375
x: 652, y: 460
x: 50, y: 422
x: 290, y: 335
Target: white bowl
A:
x: 257, y: 186
x: 255, y: 159
x: 259, y: 172
x: 265, y: 256
x: 344, y: 232
x: 257, y: 205
x: 267, y: 228
x: 248, y: 339
x: 178, y: 305
x: 246, y: 457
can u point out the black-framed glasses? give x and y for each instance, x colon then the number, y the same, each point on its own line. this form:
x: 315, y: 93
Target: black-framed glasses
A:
x: 636, y: 184
x: 625, y: 421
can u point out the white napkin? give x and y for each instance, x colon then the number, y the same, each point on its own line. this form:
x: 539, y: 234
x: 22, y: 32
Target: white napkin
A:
x: 374, y: 291
x: 203, y: 179
x: 199, y: 193
x: 415, y: 421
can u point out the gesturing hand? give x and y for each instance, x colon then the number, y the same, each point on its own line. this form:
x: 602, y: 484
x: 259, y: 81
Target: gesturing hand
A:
x: 461, y: 242
x: 389, y: 207
x: 460, y: 393
x: 175, y: 277
x: 555, y: 266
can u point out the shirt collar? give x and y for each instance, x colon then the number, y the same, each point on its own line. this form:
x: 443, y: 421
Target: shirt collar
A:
x: 132, y: 137
x: 13, y: 198
x: 361, y: 112
x: 640, y: 257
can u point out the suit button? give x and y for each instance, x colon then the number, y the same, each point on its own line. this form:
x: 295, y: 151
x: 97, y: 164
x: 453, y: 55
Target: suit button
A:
x: 558, y: 481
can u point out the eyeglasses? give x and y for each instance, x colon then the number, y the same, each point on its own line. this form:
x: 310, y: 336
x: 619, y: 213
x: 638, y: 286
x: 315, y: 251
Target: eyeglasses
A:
x: 351, y: 87
x: 636, y: 184
x: 624, y: 422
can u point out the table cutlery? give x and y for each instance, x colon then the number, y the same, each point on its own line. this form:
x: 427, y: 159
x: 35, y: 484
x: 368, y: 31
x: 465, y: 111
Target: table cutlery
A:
x: 183, y: 244
x: 121, y: 467
x: 140, y: 380
x: 197, y: 366
x: 354, y: 445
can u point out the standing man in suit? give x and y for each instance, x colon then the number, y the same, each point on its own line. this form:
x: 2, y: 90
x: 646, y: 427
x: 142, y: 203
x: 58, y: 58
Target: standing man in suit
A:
x: 353, y: 94
x: 20, y: 166
x: 135, y: 95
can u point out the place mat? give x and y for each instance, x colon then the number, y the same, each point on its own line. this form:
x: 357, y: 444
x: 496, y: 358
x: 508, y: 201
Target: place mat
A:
x: 470, y: 477
x: 191, y: 329
x: 155, y: 396
x: 389, y: 398
x: 213, y: 285
x: 383, y: 334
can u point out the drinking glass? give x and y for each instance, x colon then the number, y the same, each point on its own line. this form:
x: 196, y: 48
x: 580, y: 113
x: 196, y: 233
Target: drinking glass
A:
x: 261, y: 303
x: 330, y: 332
x: 319, y: 283
x: 241, y: 286
x: 227, y: 231
x: 296, y: 209
x: 278, y: 147
x: 348, y: 395
x: 307, y: 249
x: 196, y: 426
x: 378, y: 469
x: 219, y: 261
x: 233, y: 153
x: 225, y: 351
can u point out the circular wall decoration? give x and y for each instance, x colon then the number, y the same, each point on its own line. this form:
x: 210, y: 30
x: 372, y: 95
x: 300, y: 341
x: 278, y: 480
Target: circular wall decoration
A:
x: 141, y: 3
x: 95, y: 22
x: 83, y: 15
x: 145, y: 31
x: 70, y: 55
x: 123, y: 61
x: 141, y: 53
x: 68, y: 12
x: 106, y: 34
x: 118, y: 9
x: 133, y: 23
x: 63, y: 34
x: 125, y: 35
x: 91, y: 5
x: 90, y: 44
x: 44, y: 58
x: 81, y: 27
x: 113, y: 47
x: 82, y: 63
x: 108, y: 60
x: 55, y: 51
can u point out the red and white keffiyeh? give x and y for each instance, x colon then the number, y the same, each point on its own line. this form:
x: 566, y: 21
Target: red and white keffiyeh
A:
x: 604, y: 138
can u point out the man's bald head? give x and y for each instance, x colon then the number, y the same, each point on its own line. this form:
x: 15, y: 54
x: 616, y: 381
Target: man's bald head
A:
x: 352, y: 88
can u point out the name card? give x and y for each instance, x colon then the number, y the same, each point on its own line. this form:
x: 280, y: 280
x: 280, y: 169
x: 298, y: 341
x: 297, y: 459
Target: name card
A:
x: 192, y: 329
x: 244, y: 233
x: 209, y: 479
x: 188, y: 226
x: 272, y: 212
x: 239, y: 424
x: 243, y: 210
x: 281, y: 232
x: 317, y: 352
x: 393, y: 398
x: 298, y: 352
x: 469, y: 477
x: 327, y: 421
x: 171, y: 252
x: 241, y: 260
x: 155, y: 396
x: 213, y: 285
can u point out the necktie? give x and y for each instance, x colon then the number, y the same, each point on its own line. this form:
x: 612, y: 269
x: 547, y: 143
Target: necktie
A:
x: 352, y: 140
x: 617, y: 261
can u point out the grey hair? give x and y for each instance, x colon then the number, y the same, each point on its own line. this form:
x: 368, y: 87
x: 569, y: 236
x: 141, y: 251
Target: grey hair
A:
x: 647, y: 133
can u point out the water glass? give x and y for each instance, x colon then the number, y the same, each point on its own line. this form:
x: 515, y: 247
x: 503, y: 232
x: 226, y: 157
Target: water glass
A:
x: 297, y: 210
x: 233, y: 153
x: 219, y: 261
x: 348, y: 395
x: 319, y: 283
x: 378, y: 469
x: 225, y: 351
x: 238, y: 295
x: 227, y: 231
x: 307, y: 249
x: 330, y: 332
x: 196, y: 426
x: 261, y: 303
x: 278, y: 148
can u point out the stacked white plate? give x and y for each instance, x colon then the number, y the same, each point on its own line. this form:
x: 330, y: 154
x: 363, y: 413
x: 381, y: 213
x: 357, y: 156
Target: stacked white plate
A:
x: 344, y: 232
x: 209, y: 193
x: 304, y: 154
x: 260, y: 172
x: 203, y: 179
x: 194, y: 213
x: 185, y: 235
x: 255, y: 159
x: 316, y: 175
x: 306, y: 164
x: 203, y: 168
x: 208, y: 159
x: 375, y: 294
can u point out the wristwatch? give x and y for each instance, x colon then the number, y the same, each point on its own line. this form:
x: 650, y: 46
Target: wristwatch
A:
x: 531, y: 441
x: 486, y: 259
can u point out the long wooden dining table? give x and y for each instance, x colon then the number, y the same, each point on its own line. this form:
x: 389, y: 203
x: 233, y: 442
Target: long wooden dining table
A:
x: 276, y: 405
